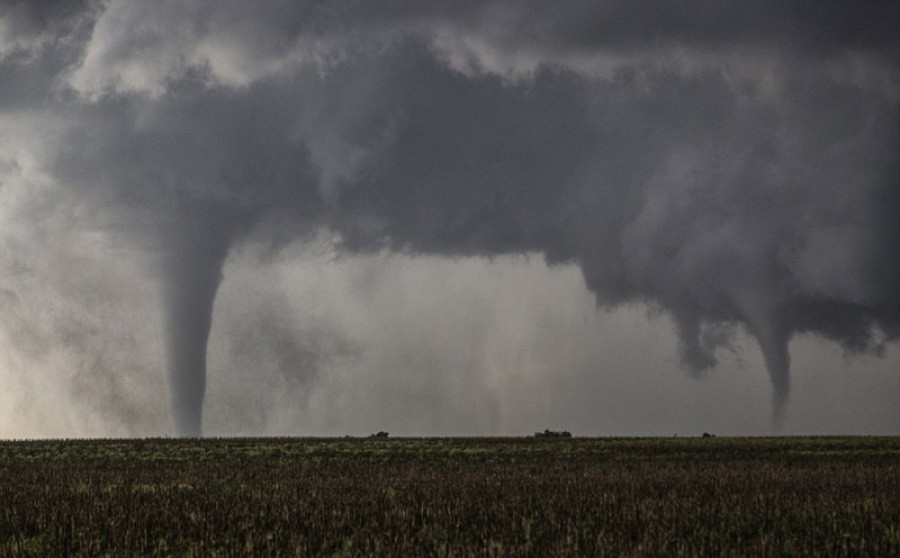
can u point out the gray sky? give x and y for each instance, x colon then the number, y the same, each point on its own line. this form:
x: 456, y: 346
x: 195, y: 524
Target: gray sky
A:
x: 441, y: 218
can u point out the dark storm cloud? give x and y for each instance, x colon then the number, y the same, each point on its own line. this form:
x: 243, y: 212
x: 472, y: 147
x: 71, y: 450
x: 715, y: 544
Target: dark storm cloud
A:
x: 644, y: 24
x: 729, y: 163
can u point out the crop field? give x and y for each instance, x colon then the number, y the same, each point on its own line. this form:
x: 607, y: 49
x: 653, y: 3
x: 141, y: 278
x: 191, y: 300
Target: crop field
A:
x: 451, y: 497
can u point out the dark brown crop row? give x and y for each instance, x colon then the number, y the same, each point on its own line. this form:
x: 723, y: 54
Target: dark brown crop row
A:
x: 451, y: 497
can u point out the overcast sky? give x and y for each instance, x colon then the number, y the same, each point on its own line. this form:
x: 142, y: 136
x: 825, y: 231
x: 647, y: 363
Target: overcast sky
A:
x: 328, y: 218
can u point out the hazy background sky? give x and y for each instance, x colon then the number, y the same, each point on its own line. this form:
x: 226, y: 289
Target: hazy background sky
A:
x: 615, y: 218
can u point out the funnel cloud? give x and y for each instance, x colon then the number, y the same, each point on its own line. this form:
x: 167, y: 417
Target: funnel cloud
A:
x: 733, y: 167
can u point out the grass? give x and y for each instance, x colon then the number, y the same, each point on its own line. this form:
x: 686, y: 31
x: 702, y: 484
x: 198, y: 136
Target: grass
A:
x: 451, y: 497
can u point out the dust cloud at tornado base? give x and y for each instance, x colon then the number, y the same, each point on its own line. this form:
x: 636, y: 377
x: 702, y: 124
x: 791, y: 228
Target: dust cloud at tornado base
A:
x: 739, y: 186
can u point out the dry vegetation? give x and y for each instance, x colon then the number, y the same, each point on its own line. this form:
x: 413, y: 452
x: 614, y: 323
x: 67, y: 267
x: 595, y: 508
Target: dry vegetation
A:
x: 452, y: 497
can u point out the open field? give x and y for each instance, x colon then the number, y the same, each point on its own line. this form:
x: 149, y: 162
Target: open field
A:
x: 404, y: 497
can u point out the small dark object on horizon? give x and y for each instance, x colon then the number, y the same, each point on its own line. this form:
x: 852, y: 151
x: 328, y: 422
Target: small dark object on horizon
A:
x: 708, y: 435
x: 553, y: 434
x: 380, y: 434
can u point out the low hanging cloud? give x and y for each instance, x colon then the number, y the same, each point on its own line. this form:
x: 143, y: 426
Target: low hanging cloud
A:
x: 728, y: 164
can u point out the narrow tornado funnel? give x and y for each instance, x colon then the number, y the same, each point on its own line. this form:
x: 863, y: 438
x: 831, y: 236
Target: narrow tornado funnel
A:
x: 762, y: 314
x: 192, y: 271
x: 774, y: 348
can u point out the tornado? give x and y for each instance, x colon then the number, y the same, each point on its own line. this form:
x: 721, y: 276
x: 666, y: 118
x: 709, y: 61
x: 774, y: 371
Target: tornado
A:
x: 774, y: 347
x: 762, y: 314
x: 191, y: 267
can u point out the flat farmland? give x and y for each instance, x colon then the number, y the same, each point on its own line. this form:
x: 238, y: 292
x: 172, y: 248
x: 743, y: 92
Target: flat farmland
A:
x: 451, y: 497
